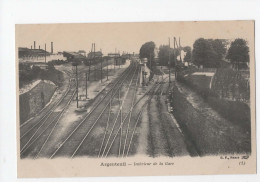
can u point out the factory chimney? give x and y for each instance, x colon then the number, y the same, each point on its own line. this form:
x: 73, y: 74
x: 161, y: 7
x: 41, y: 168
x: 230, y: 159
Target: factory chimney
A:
x: 31, y: 46
x: 51, y: 47
x: 34, y: 44
x: 39, y: 47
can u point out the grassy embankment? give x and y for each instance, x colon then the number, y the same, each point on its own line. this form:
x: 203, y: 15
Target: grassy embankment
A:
x: 33, y: 101
x: 228, y: 95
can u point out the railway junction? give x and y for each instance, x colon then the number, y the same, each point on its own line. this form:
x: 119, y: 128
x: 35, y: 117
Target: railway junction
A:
x: 113, y: 121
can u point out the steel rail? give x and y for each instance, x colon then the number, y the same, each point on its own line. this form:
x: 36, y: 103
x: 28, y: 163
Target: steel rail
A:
x: 117, y: 133
x: 106, y: 130
x: 128, y: 115
x: 124, y: 73
x: 58, y: 115
x: 120, y: 108
x: 128, y: 124
x: 107, y: 124
x: 139, y: 115
x: 47, y: 114
x: 98, y: 118
x: 55, y: 105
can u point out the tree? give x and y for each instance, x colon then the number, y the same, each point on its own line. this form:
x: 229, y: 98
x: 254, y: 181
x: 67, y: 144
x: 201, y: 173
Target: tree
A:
x: 205, y: 53
x: 187, y: 57
x: 219, y: 46
x: 50, y: 66
x: 164, y: 55
x: 147, y: 51
x: 238, y: 53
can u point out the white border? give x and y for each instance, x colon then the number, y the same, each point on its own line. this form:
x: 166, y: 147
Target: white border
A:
x: 65, y: 11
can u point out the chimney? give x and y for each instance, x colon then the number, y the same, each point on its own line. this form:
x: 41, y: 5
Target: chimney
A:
x: 51, y: 47
x: 34, y: 43
x: 31, y: 46
x: 39, y: 47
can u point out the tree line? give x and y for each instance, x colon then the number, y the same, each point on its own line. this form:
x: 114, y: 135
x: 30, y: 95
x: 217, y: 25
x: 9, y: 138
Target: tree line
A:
x: 29, y: 73
x: 210, y: 53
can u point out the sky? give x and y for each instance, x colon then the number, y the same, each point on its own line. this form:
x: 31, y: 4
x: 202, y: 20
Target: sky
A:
x: 127, y: 37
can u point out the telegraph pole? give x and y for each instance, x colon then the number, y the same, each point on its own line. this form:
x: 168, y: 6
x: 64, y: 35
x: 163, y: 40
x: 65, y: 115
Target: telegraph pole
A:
x: 107, y: 68
x: 115, y: 60
x: 114, y: 63
x: 101, y: 69
x: 86, y: 85
x: 180, y: 48
x: 119, y: 60
x: 45, y: 53
x: 77, y: 90
x: 94, y: 61
x: 175, y: 59
x: 169, y: 61
x: 77, y: 86
x: 90, y: 58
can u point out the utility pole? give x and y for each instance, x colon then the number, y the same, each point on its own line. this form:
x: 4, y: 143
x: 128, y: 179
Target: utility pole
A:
x: 169, y: 61
x: 90, y: 58
x: 119, y: 60
x: 101, y: 69
x: 107, y: 68
x: 115, y: 59
x: 77, y: 90
x: 94, y: 61
x: 77, y: 86
x: 180, y: 48
x: 86, y: 85
x: 175, y: 59
x: 45, y: 53
x: 114, y: 63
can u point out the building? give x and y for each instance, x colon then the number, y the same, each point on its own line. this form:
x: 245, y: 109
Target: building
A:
x: 82, y: 52
x: 24, y: 52
x: 113, y: 55
x: 74, y: 56
x: 33, y: 55
x: 97, y: 54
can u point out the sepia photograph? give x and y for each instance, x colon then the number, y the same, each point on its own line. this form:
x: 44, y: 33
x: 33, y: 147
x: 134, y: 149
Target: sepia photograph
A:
x: 175, y: 91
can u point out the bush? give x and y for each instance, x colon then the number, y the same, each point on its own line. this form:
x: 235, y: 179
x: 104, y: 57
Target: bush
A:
x: 57, y: 62
x: 235, y: 111
x: 27, y: 74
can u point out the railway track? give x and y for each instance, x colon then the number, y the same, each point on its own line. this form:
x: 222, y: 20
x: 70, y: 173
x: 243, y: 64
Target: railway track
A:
x: 109, y: 111
x: 134, y: 118
x: 32, y: 131
x: 130, y: 128
x: 42, y: 129
x: 72, y: 140
x: 119, y: 113
x: 129, y: 96
x: 153, y: 91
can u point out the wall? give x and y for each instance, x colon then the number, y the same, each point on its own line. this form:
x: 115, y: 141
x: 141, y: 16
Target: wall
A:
x: 34, y: 100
